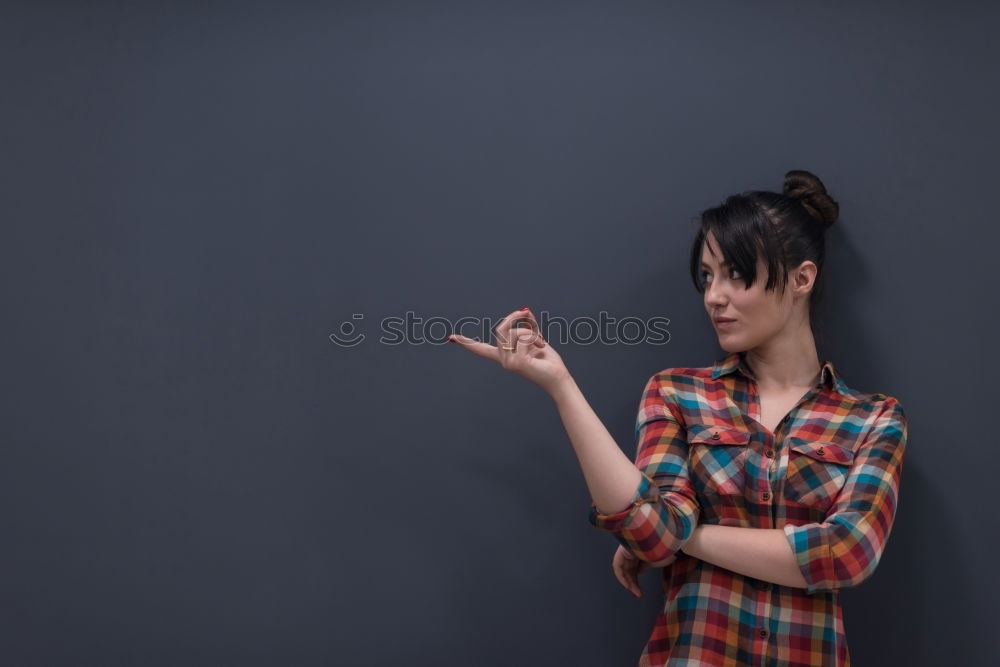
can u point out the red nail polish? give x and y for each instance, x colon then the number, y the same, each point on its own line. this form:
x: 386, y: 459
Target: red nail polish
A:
x: 525, y: 308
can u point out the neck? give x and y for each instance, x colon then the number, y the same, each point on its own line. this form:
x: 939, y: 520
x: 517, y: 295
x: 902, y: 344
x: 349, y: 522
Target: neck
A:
x: 786, y: 362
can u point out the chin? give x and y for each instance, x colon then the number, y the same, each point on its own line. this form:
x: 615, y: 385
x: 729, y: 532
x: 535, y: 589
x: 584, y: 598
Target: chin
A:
x: 732, y: 343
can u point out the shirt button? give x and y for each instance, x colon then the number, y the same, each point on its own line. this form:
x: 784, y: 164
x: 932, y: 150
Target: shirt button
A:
x: 769, y: 453
x: 820, y: 451
x: 715, y: 436
x: 763, y: 633
x: 765, y: 495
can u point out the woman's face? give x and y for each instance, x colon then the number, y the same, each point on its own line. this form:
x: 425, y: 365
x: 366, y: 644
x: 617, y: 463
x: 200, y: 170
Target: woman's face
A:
x: 756, y: 316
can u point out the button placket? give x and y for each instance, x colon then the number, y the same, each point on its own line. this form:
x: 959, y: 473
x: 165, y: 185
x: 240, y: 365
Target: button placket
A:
x: 764, y: 480
x: 773, y: 465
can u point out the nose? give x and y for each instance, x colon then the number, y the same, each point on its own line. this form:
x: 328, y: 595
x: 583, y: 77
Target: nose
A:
x: 715, y: 298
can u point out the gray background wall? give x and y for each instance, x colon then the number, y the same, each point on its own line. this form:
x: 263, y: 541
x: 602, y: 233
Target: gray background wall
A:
x: 196, y: 195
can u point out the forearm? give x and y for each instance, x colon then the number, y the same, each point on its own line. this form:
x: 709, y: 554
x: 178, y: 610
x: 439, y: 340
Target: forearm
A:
x: 761, y: 553
x: 611, y: 476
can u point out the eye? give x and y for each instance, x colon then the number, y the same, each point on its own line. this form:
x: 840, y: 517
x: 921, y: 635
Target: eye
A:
x: 704, y: 277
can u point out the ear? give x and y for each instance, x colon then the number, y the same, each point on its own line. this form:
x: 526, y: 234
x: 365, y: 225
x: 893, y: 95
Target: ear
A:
x: 803, y: 278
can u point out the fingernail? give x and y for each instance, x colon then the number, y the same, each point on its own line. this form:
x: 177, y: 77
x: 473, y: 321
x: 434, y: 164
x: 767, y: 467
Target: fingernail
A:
x: 525, y: 308
x: 451, y: 339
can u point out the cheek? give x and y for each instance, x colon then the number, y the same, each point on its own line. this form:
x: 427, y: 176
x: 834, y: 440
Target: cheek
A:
x: 758, y: 310
x: 747, y: 302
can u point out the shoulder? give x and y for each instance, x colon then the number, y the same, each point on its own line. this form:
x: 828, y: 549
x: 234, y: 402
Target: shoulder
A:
x: 682, y: 384
x: 681, y: 375
x: 876, y: 404
x: 889, y: 411
x: 668, y: 390
x: 679, y: 388
x: 866, y: 403
x: 884, y: 401
x: 876, y: 414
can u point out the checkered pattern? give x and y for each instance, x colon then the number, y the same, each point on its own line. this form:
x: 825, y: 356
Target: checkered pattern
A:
x: 828, y: 477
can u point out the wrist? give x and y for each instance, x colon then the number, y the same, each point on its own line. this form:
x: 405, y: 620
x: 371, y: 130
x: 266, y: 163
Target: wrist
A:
x: 690, y: 546
x: 563, y: 389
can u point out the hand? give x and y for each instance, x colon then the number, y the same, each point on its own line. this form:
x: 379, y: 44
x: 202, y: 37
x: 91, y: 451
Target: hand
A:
x: 627, y: 568
x: 531, y: 358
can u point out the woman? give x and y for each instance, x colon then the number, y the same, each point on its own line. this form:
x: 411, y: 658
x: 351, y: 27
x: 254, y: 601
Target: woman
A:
x: 763, y: 484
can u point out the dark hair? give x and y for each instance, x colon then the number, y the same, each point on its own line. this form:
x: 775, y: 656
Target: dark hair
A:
x: 788, y: 228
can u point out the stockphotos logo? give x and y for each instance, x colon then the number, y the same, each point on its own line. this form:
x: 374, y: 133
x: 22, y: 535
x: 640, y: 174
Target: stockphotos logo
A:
x: 411, y: 329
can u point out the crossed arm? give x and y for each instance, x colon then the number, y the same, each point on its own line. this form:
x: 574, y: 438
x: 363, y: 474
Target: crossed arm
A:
x: 761, y: 553
x: 840, y: 551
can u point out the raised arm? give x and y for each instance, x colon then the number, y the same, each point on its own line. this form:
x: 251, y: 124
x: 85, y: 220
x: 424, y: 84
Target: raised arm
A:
x: 653, y: 504
x: 649, y: 506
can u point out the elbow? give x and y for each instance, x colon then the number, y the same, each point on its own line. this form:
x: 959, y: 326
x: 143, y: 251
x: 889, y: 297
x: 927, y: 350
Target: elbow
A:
x: 834, y: 555
x: 656, y: 538
x: 845, y: 572
x: 661, y: 555
x: 839, y: 553
x: 853, y: 572
x: 665, y: 562
x: 654, y: 528
x: 663, y: 539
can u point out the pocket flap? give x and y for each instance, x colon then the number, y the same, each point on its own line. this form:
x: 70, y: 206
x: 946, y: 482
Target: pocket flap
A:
x: 828, y: 452
x: 710, y: 434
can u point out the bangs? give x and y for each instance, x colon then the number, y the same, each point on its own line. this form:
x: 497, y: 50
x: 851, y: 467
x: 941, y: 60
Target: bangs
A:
x: 742, y: 232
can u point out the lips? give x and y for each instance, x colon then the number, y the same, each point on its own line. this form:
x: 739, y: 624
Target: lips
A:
x: 723, y: 320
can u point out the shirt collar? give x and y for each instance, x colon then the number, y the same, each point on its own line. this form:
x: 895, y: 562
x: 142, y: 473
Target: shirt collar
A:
x: 736, y: 361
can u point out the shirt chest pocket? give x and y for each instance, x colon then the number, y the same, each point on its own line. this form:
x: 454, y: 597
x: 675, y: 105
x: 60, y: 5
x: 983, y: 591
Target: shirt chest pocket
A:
x: 716, y: 458
x: 817, y: 471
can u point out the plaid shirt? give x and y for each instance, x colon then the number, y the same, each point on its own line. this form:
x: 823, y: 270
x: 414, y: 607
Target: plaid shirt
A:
x: 828, y: 477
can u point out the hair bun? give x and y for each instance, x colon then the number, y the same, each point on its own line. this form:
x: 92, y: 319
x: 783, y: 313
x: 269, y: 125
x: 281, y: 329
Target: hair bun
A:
x: 806, y: 187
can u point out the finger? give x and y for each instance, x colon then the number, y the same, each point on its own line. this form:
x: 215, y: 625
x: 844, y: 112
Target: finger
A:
x: 625, y: 571
x: 506, y: 345
x: 482, y: 349
x: 528, y: 322
x: 632, y: 573
x: 507, y: 341
x: 616, y: 568
x: 618, y: 565
x: 526, y: 342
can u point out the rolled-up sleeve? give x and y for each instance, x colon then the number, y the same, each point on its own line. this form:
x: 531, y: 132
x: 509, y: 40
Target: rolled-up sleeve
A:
x: 663, y: 511
x: 845, y: 548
